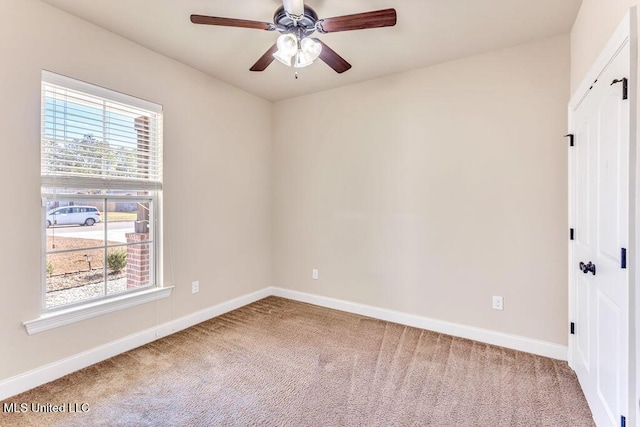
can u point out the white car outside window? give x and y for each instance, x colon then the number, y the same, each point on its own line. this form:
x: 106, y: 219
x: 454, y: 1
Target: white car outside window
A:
x: 68, y: 215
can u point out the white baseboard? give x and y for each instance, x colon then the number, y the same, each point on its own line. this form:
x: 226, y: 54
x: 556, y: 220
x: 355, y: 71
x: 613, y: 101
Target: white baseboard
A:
x: 515, y: 342
x: 28, y: 380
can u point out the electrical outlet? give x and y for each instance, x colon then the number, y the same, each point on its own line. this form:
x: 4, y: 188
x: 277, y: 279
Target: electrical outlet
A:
x: 314, y: 274
x: 195, y: 287
x: 498, y: 303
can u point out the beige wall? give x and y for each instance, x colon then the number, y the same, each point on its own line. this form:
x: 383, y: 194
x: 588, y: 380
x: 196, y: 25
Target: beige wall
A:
x: 596, y: 21
x: 217, y: 179
x: 430, y: 191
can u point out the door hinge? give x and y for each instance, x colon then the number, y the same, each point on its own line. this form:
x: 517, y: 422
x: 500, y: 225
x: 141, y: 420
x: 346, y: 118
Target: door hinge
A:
x: 623, y: 258
x: 625, y: 86
x: 623, y: 421
x: 573, y: 328
x: 571, y: 234
x: 570, y: 136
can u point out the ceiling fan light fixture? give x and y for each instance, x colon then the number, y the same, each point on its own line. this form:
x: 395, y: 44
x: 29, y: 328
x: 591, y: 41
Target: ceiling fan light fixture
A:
x: 297, y: 53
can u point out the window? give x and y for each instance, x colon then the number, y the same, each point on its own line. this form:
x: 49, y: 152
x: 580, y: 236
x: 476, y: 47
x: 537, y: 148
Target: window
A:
x: 101, y: 166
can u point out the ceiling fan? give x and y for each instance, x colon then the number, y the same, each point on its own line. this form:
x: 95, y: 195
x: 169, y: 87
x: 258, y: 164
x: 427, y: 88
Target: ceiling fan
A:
x: 296, y: 22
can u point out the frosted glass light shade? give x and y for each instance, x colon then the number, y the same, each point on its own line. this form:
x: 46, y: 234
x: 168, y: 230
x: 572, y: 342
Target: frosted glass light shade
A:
x: 311, y: 48
x: 285, y: 59
x: 302, y: 60
x: 287, y: 44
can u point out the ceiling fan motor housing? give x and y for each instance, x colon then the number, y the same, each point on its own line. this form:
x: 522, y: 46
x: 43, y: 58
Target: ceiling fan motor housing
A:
x: 305, y: 25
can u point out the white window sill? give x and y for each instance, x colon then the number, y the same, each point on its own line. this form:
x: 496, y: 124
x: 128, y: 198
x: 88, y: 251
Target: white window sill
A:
x: 76, y: 314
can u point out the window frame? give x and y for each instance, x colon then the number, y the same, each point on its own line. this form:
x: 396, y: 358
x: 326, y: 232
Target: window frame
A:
x: 79, y: 310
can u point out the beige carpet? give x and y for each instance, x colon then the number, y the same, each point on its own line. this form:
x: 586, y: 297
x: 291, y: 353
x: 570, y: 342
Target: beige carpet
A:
x: 280, y: 362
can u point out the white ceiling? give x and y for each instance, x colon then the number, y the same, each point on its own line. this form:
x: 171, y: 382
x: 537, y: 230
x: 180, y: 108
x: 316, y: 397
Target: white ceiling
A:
x: 428, y: 32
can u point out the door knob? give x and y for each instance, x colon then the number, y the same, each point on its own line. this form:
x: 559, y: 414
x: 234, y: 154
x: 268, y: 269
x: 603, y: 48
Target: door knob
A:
x: 588, y: 267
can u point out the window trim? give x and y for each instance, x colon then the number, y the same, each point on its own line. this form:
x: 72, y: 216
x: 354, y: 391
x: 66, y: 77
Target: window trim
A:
x: 69, y: 315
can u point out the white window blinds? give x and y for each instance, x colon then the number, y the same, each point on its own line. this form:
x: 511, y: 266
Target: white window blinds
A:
x: 97, y: 138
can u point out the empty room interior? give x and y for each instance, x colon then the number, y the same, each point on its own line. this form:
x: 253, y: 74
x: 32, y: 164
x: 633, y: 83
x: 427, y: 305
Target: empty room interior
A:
x: 312, y: 213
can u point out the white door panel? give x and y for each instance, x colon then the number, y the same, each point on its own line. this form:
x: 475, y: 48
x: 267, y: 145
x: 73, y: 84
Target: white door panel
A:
x: 609, y: 166
x: 582, y: 342
x: 600, y: 216
x: 582, y: 211
x: 608, y: 380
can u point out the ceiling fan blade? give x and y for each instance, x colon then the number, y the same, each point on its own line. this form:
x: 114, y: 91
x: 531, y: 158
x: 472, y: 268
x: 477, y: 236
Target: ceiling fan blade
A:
x: 265, y: 60
x: 333, y: 60
x: 294, y: 7
x: 358, y: 21
x: 231, y: 22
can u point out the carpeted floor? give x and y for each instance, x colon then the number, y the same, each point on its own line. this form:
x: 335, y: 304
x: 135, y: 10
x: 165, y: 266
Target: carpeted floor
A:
x: 280, y: 362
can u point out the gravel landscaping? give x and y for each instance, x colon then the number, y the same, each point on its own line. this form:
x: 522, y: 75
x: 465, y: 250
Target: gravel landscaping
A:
x: 69, y: 288
x: 67, y: 296
x: 81, y: 278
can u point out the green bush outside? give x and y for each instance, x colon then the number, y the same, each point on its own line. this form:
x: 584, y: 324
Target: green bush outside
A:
x: 117, y: 259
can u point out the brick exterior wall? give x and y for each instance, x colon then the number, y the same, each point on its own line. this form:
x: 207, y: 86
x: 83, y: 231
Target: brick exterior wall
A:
x: 138, y: 273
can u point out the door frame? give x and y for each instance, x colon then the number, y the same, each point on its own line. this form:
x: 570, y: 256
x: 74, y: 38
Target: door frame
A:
x: 626, y: 32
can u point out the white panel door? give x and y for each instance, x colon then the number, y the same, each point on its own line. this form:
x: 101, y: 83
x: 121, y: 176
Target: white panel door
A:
x: 600, y: 209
